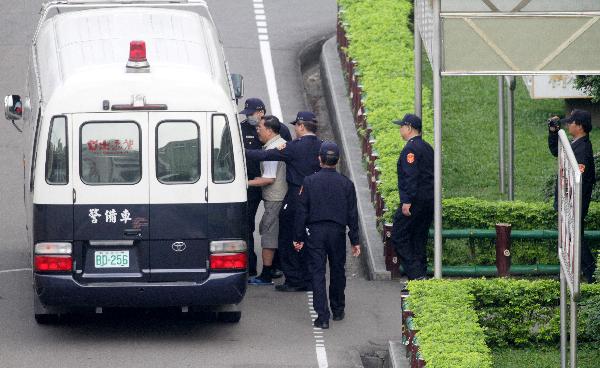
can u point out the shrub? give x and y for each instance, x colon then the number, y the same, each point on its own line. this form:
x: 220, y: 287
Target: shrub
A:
x: 449, y: 334
x: 459, y: 320
x: 384, y: 51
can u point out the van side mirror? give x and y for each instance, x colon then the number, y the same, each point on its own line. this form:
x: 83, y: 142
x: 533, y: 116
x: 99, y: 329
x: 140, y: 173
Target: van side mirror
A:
x: 238, y: 85
x: 13, y: 107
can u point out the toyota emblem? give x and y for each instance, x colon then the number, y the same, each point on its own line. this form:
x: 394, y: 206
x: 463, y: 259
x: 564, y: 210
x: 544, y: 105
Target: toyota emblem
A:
x: 178, y: 246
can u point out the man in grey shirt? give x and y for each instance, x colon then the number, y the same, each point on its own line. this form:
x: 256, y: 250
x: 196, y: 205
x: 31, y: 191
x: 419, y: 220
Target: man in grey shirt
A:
x: 274, y: 188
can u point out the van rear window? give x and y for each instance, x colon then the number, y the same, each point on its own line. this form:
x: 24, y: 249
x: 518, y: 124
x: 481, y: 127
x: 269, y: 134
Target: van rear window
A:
x: 110, y: 153
x: 177, y: 152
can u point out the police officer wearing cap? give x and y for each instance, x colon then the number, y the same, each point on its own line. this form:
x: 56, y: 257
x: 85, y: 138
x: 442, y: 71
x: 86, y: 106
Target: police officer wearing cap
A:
x: 301, y: 158
x: 254, y: 109
x: 326, y: 205
x: 579, y: 125
x: 415, y: 185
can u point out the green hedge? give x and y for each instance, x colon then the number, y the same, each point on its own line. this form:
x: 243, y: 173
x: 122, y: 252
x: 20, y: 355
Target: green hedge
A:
x: 459, y: 320
x: 382, y: 43
x: 477, y: 213
x: 449, y: 333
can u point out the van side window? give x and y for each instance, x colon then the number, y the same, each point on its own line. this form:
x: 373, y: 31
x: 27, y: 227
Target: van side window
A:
x: 110, y: 153
x: 57, y: 158
x: 223, y: 169
x: 177, y: 152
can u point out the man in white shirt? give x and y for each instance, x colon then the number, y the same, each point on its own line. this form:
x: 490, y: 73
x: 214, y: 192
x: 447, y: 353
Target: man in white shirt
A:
x: 274, y: 188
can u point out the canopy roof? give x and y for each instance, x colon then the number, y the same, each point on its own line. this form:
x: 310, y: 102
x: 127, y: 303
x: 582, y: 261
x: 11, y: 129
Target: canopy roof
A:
x: 514, y: 37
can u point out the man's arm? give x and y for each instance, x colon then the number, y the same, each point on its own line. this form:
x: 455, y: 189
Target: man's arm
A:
x: 408, y: 161
x: 302, y: 209
x: 553, y: 136
x: 352, y: 215
x: 261, y: 182
x: 268, y: 155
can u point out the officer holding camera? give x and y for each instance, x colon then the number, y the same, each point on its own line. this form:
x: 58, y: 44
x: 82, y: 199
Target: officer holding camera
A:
x: 579, y: 125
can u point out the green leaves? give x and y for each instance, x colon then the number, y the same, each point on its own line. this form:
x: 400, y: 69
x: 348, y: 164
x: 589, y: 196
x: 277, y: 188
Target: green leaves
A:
x: 459, y: 320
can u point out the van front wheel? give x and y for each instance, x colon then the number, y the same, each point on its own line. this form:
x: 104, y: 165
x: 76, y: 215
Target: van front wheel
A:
x: 229, y: 317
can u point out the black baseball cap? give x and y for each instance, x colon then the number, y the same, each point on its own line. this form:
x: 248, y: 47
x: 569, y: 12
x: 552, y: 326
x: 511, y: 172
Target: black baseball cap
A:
x: 329, y: 149
x: 305, y: 116
x: 580, y: 116
x: 253, y: 105
x: 410, y: 119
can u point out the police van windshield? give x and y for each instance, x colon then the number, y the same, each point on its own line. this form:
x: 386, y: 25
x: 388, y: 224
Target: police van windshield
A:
x: 110, y: 153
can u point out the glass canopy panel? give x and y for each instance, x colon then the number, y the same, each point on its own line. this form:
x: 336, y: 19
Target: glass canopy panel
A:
x: 501, y: 45
x: 467, y: 6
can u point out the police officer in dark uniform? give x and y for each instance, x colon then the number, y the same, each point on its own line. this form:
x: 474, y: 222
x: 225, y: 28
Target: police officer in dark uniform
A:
x: 254, y: 109
x: 301, y: 159
x: 579, y: 125
x: 326, y: 205
x: 415, y: 185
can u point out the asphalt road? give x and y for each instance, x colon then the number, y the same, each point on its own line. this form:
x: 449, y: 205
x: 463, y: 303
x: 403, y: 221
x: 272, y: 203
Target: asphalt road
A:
x: 275, y: 330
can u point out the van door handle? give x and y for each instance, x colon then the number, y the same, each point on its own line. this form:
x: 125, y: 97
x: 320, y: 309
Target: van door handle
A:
x: 133, y: 232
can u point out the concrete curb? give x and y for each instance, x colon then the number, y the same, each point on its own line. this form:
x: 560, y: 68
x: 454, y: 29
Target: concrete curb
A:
x: 342, y: 122
x: 397, y: 357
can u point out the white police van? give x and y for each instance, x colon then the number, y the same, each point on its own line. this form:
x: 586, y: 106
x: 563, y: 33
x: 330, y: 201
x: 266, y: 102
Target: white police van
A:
x: 135, y: 179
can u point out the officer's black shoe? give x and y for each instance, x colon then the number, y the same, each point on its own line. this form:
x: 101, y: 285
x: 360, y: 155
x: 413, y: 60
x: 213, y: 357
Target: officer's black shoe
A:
x: 321, y: 324
x: 275, y: 273
x: 289, y: 288
x: 338, y: 316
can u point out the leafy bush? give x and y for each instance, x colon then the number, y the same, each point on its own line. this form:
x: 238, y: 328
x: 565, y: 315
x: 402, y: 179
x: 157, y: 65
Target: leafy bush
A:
x: 384, y: 51
x: 523, y: 312
x: 449, y: 334
x: 589, y: 84
x: 459, y: 320
x: 590, y: 316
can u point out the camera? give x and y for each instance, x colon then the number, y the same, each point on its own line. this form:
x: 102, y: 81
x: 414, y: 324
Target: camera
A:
x: 553, y: 123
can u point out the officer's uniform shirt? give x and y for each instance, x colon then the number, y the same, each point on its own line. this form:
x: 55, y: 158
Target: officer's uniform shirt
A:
x: 300, y: 155
x: 584, y: 154
x: 415, y: 171
x: 327, y: 196
x: 251, y: 141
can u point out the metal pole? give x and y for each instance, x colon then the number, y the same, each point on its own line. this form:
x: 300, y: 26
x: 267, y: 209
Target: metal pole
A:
x: 511, y: 137
x: 437, y: 127
x: 573, y: 336
x: 501, y: 108
x: 563, y: 319
x: 418, y: 74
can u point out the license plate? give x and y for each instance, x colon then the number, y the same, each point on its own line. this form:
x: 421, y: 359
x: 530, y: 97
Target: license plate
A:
x: 111, y: 258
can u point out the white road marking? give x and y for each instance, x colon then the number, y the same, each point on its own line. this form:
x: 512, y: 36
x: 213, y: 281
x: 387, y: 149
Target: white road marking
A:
x: 15, y: 270
x: 267, y: 58
x: 318, y: 335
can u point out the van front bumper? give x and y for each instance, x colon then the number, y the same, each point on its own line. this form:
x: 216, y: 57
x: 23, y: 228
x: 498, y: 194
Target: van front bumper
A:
x: 64, y: 291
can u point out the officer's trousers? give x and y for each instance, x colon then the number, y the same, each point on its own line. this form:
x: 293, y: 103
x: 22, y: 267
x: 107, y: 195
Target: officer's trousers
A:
x: 292, y: 263
x: 254, y: 198
x: 327, y: 240
x: 409, y: 237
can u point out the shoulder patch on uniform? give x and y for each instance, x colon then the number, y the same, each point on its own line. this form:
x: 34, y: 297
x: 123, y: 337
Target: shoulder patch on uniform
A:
x: 581, y: 168
x: 410, y: 158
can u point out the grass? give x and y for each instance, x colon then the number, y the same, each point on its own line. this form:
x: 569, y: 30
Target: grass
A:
x: 470, y: 138
x: 588, y: 356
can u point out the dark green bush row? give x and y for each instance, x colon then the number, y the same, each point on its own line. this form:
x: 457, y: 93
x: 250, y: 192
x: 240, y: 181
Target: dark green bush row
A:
x: 382, y: 43
x: 459, y: 320
x: 449, y: 333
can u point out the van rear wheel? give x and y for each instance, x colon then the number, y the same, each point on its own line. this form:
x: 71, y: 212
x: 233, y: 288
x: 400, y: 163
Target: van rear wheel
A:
x: 229, y: 317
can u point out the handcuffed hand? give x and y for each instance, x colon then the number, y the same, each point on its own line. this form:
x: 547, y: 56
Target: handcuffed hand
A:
x: 298, y: 246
